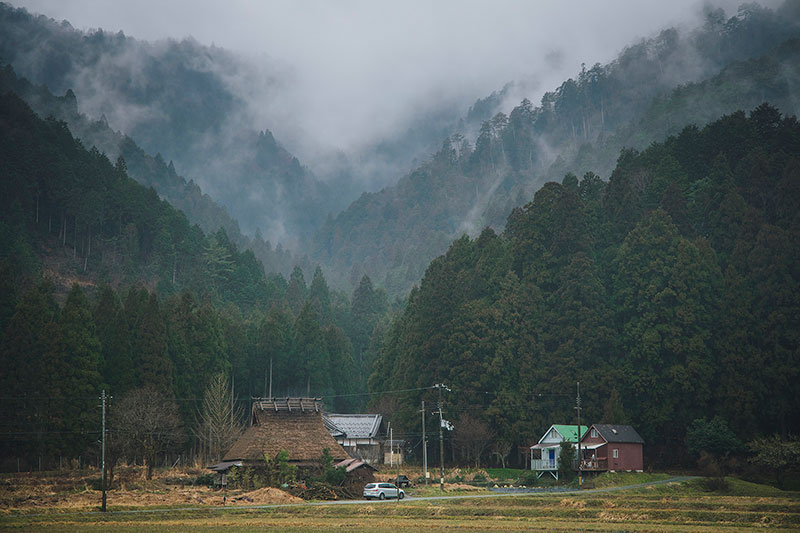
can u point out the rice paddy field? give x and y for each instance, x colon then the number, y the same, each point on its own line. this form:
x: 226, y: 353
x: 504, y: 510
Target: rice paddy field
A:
x: 671, y: 506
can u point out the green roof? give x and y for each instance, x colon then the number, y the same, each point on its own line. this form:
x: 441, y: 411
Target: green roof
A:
x: 570, y: 433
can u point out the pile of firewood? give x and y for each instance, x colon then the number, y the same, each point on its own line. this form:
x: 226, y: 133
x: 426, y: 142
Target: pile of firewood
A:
x: 319, y: 490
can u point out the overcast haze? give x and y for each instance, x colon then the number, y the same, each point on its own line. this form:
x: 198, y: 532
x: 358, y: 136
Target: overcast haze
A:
x: 360, y: 69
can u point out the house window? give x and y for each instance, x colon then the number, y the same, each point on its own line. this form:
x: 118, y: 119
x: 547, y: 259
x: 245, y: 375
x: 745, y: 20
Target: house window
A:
x: 615, y: 453
x: 594, y: 433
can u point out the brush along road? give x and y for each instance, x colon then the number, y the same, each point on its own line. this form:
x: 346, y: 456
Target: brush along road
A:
x: 543, y: 492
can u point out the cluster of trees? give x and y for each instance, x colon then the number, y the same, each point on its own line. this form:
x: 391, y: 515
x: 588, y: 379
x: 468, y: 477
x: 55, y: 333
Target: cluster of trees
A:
x: 653, y: 89
x: 670, y: 292
x: 151, y: 171
x: 187, y: 306
x: 185, y: 108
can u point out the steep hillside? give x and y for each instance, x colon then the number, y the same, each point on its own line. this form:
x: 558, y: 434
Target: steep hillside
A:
x: 670, y: 292
x: 182, y: 100
x: 151, y: 171
x: 103, y: 284
x: 392, y: 234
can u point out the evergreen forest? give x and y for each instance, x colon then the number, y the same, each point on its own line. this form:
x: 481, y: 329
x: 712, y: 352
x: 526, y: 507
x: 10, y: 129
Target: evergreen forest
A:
x: 152, y: 302
x: 669, y: 292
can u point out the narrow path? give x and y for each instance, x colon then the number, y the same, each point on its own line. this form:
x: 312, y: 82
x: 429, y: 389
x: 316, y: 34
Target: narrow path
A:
x: 677, y: 479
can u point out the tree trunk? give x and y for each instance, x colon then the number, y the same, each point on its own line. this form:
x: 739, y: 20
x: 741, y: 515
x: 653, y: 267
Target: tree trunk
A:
x: 88, y: 250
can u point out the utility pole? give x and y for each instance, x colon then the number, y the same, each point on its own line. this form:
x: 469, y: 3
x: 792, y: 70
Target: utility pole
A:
x: 578, y: 407
x: 103, y: 452
x: 424, y: 446
x: 441, y: 440
x: 270, y: 378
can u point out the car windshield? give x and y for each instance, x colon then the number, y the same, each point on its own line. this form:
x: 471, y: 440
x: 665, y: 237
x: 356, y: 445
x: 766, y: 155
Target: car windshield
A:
x: 370, y: 486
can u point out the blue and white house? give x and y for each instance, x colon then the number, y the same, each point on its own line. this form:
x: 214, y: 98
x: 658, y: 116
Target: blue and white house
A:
x: 545, y: 453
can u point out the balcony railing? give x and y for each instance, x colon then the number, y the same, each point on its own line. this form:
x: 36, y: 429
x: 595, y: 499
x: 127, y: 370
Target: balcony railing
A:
x: 594, y: 464
x: 544, y: 464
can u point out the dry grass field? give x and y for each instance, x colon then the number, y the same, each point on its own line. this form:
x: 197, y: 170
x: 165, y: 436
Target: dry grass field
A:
x: 165, y: 504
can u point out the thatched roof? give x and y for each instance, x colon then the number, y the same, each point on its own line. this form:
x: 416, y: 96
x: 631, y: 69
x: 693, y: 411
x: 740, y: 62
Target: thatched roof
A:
x: 291, y: 424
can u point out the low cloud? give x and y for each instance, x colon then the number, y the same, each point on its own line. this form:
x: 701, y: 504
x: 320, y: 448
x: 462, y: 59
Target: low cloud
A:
x: 359, y: 70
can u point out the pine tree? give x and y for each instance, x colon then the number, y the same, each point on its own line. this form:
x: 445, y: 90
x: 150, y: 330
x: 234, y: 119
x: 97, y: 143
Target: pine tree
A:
x: 82, y: 367
x: 154, y: 368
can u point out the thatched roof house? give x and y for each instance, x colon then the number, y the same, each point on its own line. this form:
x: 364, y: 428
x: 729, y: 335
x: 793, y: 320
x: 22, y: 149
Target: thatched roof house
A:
x: 291, y: 424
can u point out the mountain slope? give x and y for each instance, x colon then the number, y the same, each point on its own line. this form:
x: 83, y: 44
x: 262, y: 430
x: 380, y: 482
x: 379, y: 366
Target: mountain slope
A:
x: 392, y: 234
x: 88, y: 221
x: 183, y: 100
x: 674, y: 286
x: 150, y: 171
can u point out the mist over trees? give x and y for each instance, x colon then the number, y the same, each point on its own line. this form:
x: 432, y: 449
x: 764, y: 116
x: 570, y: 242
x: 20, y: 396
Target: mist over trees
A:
x: 652, y: 90
x: 186, y: 104
x: 151, y: 171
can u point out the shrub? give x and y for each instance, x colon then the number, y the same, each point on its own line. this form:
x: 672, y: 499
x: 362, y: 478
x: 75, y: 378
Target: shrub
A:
x: 716, y: 484
x: 206, y: 480
x: 566, y: 456
x: 528, y: 479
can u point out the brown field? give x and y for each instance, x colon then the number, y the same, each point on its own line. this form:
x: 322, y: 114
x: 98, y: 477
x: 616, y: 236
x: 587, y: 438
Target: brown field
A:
x: 169, y: 503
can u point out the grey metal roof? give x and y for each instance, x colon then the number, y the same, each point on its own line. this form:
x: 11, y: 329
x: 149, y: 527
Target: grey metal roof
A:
x: 357, y: 426
x: 335, y: 432
x: 618, y: 433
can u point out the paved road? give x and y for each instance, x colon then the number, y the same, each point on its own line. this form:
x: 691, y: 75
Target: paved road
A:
x: 381, y: 502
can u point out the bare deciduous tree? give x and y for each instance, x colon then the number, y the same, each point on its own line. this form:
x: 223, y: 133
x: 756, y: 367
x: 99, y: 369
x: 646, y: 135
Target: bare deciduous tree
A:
x: 147, y: 423
x: 500, y: 450
x: 472, y: 435
x: 219, y: 421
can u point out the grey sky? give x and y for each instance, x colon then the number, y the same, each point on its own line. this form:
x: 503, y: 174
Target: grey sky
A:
x: 361, y: 67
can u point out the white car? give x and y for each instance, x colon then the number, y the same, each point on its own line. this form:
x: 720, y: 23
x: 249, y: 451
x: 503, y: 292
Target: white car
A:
x: 382, y: 491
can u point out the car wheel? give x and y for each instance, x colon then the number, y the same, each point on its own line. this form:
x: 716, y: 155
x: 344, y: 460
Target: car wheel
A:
x: 382, y: 496
x: 402, y: 495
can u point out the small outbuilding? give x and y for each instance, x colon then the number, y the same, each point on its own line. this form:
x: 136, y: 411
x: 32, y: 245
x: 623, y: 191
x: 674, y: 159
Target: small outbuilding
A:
x: 358, y: 473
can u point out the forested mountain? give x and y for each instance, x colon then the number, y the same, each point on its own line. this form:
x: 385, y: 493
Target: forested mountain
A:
x: 651, y: 90
x: 103, y: 284
x: 184, y: 101
x: 671, y: 292
x: 151, y: 171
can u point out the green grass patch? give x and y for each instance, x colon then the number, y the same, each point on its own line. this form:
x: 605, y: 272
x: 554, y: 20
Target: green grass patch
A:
x: 739, y: 487
x: 615, y: 479
x: 505, y: 474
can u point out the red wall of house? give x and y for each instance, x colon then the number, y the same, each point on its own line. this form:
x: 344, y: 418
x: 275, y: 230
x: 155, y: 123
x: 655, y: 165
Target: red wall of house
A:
x: 630, y: 456
x: 588, y: 439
